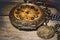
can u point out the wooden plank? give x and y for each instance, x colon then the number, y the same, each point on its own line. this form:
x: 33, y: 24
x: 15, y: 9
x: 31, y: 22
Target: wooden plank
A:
x: 9, y: 32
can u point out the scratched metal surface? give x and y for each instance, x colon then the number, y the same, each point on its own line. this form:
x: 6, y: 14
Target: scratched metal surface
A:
x: 8, y: 32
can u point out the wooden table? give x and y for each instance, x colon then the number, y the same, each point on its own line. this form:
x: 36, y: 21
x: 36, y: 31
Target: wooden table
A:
x: 9, y: 32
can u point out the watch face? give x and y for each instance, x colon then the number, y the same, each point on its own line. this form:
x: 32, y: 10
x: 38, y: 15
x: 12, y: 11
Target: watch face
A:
x: 27, y: 13
x: 26, y: 16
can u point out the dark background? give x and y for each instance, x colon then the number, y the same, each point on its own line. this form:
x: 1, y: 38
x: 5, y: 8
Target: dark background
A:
x: 3, y: 3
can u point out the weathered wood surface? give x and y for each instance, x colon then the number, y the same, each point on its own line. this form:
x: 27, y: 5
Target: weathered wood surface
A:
x: 9, y: 32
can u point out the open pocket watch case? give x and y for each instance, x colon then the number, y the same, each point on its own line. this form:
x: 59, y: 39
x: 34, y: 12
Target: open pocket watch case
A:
x: 27, y: 16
